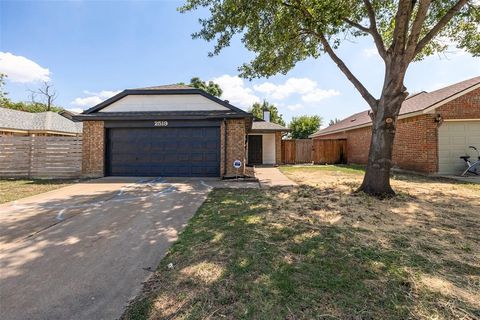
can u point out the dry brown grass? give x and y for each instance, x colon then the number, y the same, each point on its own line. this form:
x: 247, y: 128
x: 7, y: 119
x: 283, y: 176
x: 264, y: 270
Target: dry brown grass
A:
x: 320, y: 251
x: 436, y: 219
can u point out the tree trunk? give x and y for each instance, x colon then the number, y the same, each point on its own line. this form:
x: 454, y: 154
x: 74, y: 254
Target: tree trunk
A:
x: 376, y: 181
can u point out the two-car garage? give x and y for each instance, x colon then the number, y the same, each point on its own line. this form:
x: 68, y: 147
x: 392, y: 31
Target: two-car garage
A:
x: 179, y: 152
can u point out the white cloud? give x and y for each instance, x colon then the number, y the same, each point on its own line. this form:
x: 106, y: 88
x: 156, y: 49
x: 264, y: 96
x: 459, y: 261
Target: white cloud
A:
x: 105, y: 94
x: 282, y: 91
x: 93, y: 98
x: 318, y: 95
x: 307, y: 88
x: 21, y: 69
x: 76, y: 110
x: 370, y: 52
x: 295, y: 107
x: 235, y: 91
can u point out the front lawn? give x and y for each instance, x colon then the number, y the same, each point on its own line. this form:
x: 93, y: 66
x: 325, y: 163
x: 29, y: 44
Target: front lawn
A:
x: 318, y: 251
x: 14, y: 189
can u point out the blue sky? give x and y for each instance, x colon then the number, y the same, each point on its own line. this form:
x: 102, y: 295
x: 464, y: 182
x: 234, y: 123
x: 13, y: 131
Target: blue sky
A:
x: 91, y: 49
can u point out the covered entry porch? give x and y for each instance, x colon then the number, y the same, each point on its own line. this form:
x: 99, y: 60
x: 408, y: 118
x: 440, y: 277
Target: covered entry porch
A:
x: 264, y: 143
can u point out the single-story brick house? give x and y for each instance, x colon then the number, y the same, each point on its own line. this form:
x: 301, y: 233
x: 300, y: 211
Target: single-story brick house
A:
x: 48, y: 123
x: 172, y: 130
x: 434, y: 129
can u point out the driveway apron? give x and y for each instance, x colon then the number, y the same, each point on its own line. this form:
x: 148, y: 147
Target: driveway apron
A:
x: 82, y: 252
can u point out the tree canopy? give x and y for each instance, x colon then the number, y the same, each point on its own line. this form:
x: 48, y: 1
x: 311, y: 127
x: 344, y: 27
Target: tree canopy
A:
x: 284, y: 32
x: 275, y: 117
x: 210, y: 86
x: 303, y: 126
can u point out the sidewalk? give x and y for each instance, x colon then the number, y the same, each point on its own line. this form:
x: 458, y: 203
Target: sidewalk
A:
x: 272, y: 177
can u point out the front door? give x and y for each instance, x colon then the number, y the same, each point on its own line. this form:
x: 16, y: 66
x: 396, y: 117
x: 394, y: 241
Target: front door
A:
x: 255, y: 149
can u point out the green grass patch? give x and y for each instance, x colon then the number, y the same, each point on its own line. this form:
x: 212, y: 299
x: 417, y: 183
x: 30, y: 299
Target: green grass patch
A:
x: 14, y: 189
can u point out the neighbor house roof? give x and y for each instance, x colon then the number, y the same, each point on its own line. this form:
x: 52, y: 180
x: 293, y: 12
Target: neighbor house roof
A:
x: 171, y: 89
x: 42, y: 121
x: 264, y: 126
x: 415, y: 104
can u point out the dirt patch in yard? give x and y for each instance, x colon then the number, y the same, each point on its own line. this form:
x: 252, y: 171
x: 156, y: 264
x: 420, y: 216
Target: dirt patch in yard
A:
x: 320, y: 251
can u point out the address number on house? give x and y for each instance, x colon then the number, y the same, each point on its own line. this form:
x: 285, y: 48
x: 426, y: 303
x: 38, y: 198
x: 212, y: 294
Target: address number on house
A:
x: 160, y: 123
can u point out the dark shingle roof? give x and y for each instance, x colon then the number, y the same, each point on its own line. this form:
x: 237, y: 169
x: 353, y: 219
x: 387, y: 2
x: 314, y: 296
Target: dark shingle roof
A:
x: 42, y: 121
x: 414, y: 103
x: 166, y: 87
x: 170, y: 89
x: 155, y: 115
x: 267, y: 126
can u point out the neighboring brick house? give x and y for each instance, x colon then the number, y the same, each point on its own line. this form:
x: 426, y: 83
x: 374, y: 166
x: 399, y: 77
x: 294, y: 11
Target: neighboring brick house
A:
x: 172, y: 130
x: 433, y: 130
x: 21, y: 123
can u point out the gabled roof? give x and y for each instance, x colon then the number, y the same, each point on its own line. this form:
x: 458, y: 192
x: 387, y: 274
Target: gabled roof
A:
x: 259, y: 125
x: 166, y: 87
x: 415, y: 104
x: 42, y: 121
x: 171, y: 89
x: 164, y: 115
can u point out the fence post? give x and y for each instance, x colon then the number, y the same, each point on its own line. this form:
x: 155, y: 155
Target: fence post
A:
x: 31, y: 151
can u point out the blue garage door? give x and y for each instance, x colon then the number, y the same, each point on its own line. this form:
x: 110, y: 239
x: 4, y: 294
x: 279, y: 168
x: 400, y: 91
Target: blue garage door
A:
x: 167, y: 152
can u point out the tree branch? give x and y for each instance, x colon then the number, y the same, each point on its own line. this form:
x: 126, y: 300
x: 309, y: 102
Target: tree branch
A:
x: 402, y: 19
x: 373, y: 103
x: 439, y: 26
x: 377, y: 38
x: 341, y: 65
x: 417, y: 28
x: 357, y: 25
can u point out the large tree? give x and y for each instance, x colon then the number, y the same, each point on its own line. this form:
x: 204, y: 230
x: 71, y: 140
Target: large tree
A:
x: 275, y: 116
x: 303, y: 126
x: 284, y: 32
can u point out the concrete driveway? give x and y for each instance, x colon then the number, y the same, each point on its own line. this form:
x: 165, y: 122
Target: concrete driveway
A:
x: 82, y: 252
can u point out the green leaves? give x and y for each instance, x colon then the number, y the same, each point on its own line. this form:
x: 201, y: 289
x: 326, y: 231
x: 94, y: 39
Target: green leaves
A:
x: 303, y: 126
x: 210, y: 87
x: 275, y: 117
x: 284, y: 32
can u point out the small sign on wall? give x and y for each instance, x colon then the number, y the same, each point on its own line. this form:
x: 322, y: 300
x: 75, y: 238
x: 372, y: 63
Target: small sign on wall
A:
x: 160, y: 123
x: 237, y: 164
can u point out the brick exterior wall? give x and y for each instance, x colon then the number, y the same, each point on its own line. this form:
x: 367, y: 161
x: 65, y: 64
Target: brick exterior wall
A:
x: 93, y: 149
x: 416, y: 139
x: 464, y: 107
x: 278, y: 147
x: 236, y: 146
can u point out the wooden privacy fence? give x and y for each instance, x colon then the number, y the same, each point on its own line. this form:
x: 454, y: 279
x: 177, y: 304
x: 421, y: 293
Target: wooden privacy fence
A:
x: 316, y: 151
x: 329, y: 151
x: 40, y: 157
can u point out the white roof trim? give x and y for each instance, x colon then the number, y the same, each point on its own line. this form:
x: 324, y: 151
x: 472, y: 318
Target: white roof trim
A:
x: 460, y: 120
